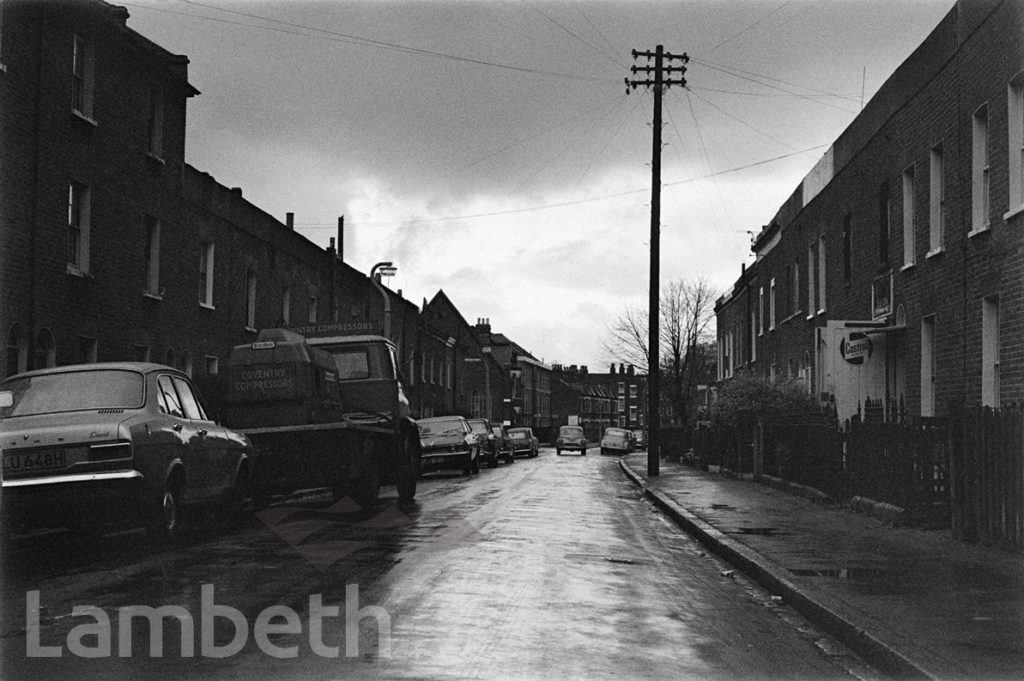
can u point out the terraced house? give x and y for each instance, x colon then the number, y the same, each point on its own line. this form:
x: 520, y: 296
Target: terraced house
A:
x: 114, y: 248
x: 891, y: 282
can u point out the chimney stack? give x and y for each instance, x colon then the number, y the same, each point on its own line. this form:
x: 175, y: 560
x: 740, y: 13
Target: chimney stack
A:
x: 341, y: 238
x: 289, y: 220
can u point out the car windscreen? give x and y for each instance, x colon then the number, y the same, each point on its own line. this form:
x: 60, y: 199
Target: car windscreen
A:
x: 440, y: 427
x: 478, y: 426
x: 570, y: 431
x: 517, y: 434
x: 75, y: 391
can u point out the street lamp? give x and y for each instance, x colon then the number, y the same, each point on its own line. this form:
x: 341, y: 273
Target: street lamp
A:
x: 384, y: 269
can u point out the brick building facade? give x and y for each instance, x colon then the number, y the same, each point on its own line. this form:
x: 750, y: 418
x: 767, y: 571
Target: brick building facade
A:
x: 892, y: 277
x: 114, y: 248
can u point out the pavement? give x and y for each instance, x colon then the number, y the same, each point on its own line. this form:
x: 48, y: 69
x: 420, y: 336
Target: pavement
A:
x: 912, y: 602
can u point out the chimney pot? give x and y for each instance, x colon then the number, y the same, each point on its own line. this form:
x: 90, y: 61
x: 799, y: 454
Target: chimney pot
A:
x: 289, y: 219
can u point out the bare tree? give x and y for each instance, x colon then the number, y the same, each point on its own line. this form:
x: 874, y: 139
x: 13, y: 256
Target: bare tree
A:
x: 687, y: 311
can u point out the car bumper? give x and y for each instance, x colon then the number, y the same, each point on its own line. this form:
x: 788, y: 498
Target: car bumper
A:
x: 435, y: 460
x: 55, y: 500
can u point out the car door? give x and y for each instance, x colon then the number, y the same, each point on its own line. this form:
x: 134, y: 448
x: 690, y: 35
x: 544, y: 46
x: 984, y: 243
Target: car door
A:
x: 217, y: 471
x: 191, y: 445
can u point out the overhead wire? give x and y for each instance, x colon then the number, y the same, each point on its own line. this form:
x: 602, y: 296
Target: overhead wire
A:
x: 751, y: 26
x: 609, y: 140
x: 740, y: 120
x: 532, y: 137
x: 577, y: 37
x: 345, y: 38
x: 576, y: 202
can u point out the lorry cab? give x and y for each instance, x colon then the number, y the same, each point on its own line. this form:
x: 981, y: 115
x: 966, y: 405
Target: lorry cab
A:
x: 367, y: 372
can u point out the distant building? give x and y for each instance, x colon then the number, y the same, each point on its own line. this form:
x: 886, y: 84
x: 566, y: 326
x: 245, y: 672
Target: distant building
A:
x: 528, y: 401
x: 889, y: 283
x: 600, y: 400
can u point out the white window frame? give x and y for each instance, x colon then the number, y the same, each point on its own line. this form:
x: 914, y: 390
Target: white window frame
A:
x: 990, y: 352
x: 771, y: 304
x: 909, y: 217
x: 810, y: 280
x: 936, y: 200
x: 82, y: 59
x: 760, y: 311
x: 980, y: 171
x: 1015, y: 143
x: 821, y: 275
x: 152, y: 227
x: 206, y: 272
x: 79, y: 227
x: 753, y: 336
x: 314, y: 301
x: 795, y: 288
x: 286, y: 305
x: 928, y: 365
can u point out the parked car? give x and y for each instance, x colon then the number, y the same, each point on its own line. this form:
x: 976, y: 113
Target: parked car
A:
x: 89, y: 444
x: 523, y: 441
x: 571, y: 438
x: 488, y: 448
x: 503, y: 443
x: 616, y: 440
x: 448, y: 442
x: 639, y: 439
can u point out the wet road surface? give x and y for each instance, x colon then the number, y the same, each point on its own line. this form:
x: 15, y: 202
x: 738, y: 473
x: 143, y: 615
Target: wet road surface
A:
x: 549, y: 568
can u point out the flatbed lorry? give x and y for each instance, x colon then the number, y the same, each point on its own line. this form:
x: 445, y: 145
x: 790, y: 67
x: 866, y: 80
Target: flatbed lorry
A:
x: 323, y: 412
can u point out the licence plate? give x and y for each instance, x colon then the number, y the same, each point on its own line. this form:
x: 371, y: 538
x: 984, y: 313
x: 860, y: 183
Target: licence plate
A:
x: 28, y: 462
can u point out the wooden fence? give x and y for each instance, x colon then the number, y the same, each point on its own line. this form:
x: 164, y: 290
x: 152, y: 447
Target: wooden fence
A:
x: 964, y: 472
x: 987, y: 476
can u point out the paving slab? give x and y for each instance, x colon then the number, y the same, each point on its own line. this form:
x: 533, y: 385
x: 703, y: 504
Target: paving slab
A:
x: 915, y: 602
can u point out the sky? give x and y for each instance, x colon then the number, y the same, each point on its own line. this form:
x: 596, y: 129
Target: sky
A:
x: 490, y: 149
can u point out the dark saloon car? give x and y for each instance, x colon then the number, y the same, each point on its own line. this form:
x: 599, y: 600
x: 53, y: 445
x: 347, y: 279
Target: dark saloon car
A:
x: 448, y: 442
x: 571, y: 438
x: 503, y: 443
x: 488, y: 447
x: 617, y: 440
x: 523, y: 441
x: 130, y: 443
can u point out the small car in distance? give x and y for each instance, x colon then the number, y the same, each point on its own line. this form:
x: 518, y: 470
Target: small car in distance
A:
x: 127, y: 443
x: 448, y: 442
x: 616, y: 440
x: 523, y: 441
x: 640, y: 439
x: 488, y: 449
x: 571, y: 438
x: 503, y: 443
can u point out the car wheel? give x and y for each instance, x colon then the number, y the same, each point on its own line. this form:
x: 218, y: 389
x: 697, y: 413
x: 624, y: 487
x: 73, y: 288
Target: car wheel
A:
x: 407, y: 459
x: 165, y: 519
x: 234, y: 503
x: 366, y: 490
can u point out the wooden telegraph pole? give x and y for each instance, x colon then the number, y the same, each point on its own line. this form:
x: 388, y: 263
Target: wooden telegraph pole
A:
x: 660, y: 82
